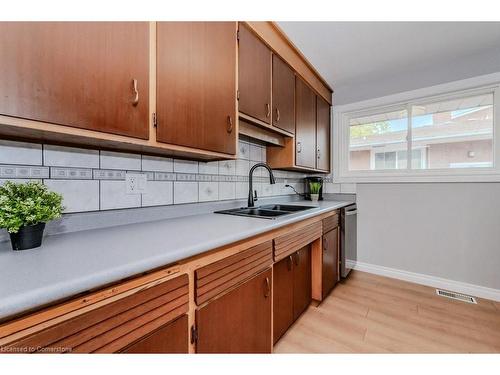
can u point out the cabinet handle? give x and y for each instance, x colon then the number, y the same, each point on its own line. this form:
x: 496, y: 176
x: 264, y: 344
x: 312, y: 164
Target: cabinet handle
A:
x: 289, y: 263
x: 299, y: 147
x: 229, y: 124
x: 268, y: 288
x: 297, y: 258
x: 136, y: 93
x: 277, y: 114
x: 325, y: 244
x: 268, y: 109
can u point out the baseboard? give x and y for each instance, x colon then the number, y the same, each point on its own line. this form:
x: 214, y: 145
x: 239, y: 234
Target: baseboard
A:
x: 433, y: 281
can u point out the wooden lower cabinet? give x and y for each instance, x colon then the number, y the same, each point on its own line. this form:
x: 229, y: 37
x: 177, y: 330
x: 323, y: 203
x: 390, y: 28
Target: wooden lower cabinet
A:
x: 291, y: 290
x: 238, y: 321
x: 330, y: 272
x: 171, y: 338
x: 282, y: 297
x: 301, y: 281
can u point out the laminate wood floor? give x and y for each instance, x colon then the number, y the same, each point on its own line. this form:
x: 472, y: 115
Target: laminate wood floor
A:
x: 373, y: 314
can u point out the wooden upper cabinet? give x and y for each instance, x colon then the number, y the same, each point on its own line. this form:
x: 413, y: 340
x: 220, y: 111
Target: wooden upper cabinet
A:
x: 322, y: 134
x: 89, y: 75
x: 283, y: 95
x: 254, y: 66
x: 196, y: 85
x: 238, y: 321
x: 305, y: 125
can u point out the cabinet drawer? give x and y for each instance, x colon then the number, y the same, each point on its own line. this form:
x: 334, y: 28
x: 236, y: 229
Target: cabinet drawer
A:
x: 111, y: 327
x: 291, y: 242
x: 330, y: 223
x: 217, y: 277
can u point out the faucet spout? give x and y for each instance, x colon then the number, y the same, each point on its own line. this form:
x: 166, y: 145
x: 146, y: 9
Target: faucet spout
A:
x: 272, y: 180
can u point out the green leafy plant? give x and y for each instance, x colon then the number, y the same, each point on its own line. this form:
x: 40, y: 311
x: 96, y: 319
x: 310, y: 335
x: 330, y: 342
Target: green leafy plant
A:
x: 315, y: 187
x: 27, y: 204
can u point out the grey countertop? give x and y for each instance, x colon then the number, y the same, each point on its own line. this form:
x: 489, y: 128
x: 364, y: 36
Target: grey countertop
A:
x: 71, y: 263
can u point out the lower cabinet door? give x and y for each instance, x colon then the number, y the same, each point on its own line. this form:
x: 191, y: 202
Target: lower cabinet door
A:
x: 282, y: 297
x: 238, y: 321
x: 330, y: 261
x: 171, y: 338
x: 301, y: 281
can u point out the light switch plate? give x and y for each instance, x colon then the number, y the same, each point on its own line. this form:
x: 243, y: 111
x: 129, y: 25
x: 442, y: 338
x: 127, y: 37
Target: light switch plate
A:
x: 136, y: 182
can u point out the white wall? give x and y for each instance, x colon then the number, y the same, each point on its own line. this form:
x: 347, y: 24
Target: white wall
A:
x: 447, y: 230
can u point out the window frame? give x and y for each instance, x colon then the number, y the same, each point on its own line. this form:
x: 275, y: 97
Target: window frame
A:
x: 454, y: 90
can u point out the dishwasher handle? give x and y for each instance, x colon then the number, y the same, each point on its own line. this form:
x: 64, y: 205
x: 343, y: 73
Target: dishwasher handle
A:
x: 350, y: 213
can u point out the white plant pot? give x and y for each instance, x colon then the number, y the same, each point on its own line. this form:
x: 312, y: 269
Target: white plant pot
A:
x: 314, y: 198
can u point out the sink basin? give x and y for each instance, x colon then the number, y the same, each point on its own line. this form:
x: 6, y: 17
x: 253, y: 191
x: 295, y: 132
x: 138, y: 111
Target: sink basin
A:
x: 285, y: 207
x: 270, y: 211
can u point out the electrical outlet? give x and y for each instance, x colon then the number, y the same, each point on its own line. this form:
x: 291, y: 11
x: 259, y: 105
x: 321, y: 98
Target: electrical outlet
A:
x: 136, y: 182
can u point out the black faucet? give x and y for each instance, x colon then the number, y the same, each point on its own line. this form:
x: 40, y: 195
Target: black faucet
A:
x: 251, y: 198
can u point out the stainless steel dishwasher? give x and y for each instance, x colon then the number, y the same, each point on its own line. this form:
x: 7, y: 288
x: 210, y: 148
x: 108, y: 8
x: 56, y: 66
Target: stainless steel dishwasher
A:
x: 348, y: 237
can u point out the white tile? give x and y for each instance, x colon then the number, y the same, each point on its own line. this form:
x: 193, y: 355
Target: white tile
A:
x: 264, y: 154
x: 241, y: 190
x: 158, y: 193
x: 331, y: 188
x: 208, y: 191
x: 185, y: 166
x: 243, y: 150
x: 20, y: 153
x: 227, y: 167
x: 255, y: 152
x: 348, y: 188
x: 114, y: 195
x: 185, y: 192
x: 227, y: 190
x: 242, y: 167
x: 78, y: 195
x: 212, y: 167
x: 267, y: 189
x: 157, y: 164
x: 60, y: 156
x: 120, y: 160
x: 280, y: 189
x: 17, y: 180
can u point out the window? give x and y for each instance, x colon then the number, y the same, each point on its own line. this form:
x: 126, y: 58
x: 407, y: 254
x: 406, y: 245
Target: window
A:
x: 456, y: 133
x: 447, y: 135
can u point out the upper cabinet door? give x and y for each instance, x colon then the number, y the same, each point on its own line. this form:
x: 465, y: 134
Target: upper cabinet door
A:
x: 322, y: 134
x: 305, y: 125
x: 254, y: 64
x: 89, y: 75
x: 196, y: 85
x: 283, y: 95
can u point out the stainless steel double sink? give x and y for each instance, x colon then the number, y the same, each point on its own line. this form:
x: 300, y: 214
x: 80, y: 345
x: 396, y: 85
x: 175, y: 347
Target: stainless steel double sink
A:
x: 269, y: 211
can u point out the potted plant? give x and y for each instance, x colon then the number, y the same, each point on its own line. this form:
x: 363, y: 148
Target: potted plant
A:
x: 314, y: 188
x: 24, y: 210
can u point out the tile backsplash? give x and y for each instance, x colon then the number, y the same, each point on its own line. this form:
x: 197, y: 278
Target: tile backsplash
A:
x: 93, y: 180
